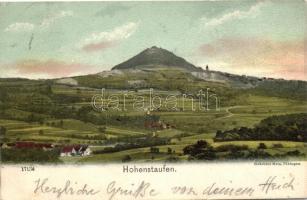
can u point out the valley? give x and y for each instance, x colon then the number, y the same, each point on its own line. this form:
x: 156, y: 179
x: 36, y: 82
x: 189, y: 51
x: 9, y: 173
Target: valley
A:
x: 110, y: 128
x: 152, y: 110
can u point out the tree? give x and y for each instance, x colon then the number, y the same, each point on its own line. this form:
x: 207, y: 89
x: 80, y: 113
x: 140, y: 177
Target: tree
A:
x: 169, y: 150
x: 200, y: 147
x: 30, y: 155
x: 2, y: 107
x: 234, y: 154
x: 83, y: 113
x: 102, y: 129
x: 154, y: 150
x: 126, y: 158
x: 61, y: 123
x: 278, y: 145
x: 31, y: 117
x: 49, y: 89
x: 262, y: 146
x: 40, y: 132
x: 219, y: 133
x: 172, y: 159
x: 207, y: 154
x: 2, y: 131
x: 3, y: 94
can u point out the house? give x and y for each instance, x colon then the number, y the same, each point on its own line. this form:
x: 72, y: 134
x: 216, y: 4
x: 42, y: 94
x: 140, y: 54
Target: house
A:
x: 4, y: 145
x: 24, y: 145
x: 87, y: 152
x: 32, y: 145
x: 68, y: 151
x: 10, y: 145
x: 152, y: 122
x: 76, y: 150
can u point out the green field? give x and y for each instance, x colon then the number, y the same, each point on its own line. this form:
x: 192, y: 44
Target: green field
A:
x: 63, y: 114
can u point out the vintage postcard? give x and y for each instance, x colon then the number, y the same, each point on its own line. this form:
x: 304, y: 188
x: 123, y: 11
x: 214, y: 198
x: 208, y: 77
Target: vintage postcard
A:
x: 153, y: 100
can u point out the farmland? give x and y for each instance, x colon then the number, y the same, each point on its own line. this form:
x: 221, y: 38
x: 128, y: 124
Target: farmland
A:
x: 62, y: 114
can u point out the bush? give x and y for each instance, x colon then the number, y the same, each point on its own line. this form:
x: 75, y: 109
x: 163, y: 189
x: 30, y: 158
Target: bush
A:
x: 102, y: 129
x: 278, y: 145
x: 234, y: 123
x: 30, y: 155
x: 2, y: 131
x: 258, y: 154
x: 195, y: 149
x: 172, y: 159
x: 202, y: 150
x: 231, y: 147
x: 126, y: 158
x: 201, y: 130
x: 154, y: 150
x: 291, y: 127
x: 235, y: 155
x: 294, y: 153
x: 207, y: 154
x: 262, y: 146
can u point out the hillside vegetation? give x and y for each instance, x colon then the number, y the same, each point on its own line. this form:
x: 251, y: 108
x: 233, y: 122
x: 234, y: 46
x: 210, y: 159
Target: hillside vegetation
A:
x: 243, y: 117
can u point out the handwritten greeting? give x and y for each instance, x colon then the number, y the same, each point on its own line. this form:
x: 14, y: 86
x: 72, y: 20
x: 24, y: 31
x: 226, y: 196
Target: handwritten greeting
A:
x: 146, y: 190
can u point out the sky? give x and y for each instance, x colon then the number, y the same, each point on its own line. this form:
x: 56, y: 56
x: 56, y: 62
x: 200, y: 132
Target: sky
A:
x: 52, y: 40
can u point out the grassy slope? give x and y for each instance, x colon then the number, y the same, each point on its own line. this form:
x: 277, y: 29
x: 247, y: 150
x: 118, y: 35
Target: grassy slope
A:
x: 241, y: 115
x: 201, y: 125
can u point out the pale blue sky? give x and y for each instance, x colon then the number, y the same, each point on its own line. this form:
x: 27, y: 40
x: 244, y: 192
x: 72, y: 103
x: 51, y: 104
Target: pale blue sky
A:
x: 262, y: 38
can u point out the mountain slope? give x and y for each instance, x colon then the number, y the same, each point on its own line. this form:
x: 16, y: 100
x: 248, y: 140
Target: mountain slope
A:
x: 155, y: 56
x: 161, y: 69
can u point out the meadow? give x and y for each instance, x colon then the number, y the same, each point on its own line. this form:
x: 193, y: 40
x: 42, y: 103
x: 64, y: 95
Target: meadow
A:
x: 62, y: 115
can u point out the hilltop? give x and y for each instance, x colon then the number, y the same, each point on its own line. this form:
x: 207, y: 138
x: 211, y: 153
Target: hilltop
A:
x: 155, y: 56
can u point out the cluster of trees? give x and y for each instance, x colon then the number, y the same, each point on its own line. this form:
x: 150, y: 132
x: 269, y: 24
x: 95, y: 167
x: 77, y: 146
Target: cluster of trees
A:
x: 3, y: 94
x: 126, y: 158
x: 293, y: 89
x: 154, y: 150
x: 56, y: 124
x: 30, y: 155
x: 65, y: 99
x: 261, y: 154
x: 138, y: 143
x: 89, y: 137
x: 126, y: 120
x: 231, y: 148
x: 34, y: 118
x: 292, y: 127
x: 202, y: 150
x: 2, y: 131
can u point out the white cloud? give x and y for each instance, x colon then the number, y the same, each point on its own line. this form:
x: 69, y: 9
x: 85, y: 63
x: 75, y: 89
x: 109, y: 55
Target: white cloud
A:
x: 46, y: 22
x: 20, y: 27
x: 115, y: 35
x: 118, y: 33
x: 237, y: 14
x: 51, y: 19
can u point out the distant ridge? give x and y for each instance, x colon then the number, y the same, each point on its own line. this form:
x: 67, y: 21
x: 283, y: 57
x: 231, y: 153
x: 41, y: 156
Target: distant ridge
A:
x: 155, y: 56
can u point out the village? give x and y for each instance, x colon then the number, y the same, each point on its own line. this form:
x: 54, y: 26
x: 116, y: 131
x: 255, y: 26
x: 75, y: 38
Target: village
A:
x: 64, y: 150
x: 151, y: 122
